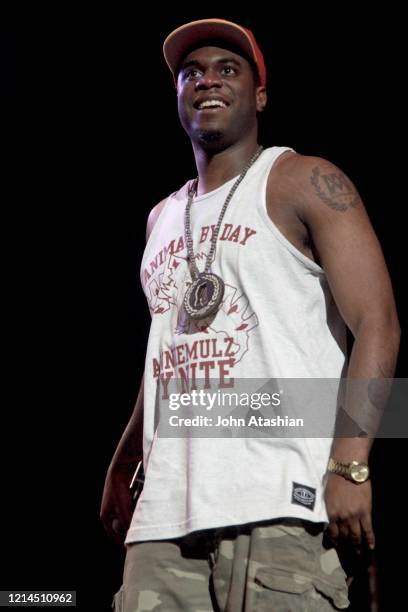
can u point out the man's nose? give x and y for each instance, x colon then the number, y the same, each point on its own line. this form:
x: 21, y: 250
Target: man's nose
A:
x: 209, y: 79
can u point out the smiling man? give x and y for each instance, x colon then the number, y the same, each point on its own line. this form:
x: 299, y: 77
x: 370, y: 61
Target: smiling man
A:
x: 252, y: 270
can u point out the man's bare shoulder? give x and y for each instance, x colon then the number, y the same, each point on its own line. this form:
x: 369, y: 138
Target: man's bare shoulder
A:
x: 300, y: 169
x: 304, y: 181
x: 292, y: 167
x: 291, y: 162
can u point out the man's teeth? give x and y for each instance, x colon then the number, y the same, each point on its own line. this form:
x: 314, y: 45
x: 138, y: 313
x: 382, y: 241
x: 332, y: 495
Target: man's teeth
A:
x: 212, y: 103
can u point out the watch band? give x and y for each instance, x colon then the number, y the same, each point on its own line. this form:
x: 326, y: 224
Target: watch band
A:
x: 355, y: 471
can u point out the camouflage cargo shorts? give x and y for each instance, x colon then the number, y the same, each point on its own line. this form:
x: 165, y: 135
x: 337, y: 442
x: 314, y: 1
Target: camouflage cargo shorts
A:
x: 274, y: 566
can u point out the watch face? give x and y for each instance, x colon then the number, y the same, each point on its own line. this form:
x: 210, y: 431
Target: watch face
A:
x: 359, y: 472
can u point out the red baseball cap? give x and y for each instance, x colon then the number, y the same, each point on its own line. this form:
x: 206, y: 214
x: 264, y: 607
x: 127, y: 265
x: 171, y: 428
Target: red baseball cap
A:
x: 180, y: 40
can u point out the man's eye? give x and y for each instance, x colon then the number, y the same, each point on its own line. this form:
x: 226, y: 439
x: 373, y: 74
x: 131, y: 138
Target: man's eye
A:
x: 191, y: 74
x: 228, y: 70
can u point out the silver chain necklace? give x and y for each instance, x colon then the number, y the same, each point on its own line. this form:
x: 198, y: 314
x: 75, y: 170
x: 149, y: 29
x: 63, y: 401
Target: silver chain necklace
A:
x: 205, y: 293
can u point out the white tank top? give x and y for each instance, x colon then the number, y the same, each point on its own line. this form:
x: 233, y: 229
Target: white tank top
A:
x: 277, y: 320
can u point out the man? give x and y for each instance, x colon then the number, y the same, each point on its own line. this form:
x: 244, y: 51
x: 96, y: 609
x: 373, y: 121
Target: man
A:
x: 251, y: 272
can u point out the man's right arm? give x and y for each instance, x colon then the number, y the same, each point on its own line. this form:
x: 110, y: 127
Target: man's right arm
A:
x: 117, y: 501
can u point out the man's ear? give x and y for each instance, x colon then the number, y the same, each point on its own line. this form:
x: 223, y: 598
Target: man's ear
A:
x: 261, y: 99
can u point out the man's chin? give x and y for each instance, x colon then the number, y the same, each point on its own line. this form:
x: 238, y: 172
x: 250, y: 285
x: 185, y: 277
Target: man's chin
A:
x: 210, y: 138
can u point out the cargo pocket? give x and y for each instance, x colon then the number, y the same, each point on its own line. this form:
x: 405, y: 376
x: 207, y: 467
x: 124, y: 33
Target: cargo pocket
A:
x: 285, y: 592
x: 117, y: 602
x: 331, y: 579
x: 335, y: 589
x: 291, y: 592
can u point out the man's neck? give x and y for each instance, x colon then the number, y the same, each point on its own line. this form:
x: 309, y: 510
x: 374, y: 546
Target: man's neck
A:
x: 215, y: 169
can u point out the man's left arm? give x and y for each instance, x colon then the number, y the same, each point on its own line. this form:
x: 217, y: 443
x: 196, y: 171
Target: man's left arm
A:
x: 350, y: 253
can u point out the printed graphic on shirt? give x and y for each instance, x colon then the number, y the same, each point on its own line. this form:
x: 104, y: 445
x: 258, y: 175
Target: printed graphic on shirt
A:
x: 213, y: 357
x: 303, y: 495
x: 165, y: 280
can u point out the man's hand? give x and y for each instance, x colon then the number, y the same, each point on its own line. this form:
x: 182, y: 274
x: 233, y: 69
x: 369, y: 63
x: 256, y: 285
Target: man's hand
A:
x: 117, y: 501
x: 349, y: 510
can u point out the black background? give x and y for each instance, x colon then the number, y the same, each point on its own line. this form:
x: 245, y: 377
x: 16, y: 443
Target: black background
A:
x: 92, y: 143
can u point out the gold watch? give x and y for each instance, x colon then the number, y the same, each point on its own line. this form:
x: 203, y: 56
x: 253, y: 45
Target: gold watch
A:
x: 355, y: 471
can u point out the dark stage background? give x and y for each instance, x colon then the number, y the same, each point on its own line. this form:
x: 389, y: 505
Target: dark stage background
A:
x: 90, y: 125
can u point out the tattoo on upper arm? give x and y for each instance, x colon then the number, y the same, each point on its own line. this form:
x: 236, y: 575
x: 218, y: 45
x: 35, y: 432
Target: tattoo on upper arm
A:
x: 335, y: 190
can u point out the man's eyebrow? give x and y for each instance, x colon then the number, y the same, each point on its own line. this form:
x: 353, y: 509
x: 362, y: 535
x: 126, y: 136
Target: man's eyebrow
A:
x: 223, y: 60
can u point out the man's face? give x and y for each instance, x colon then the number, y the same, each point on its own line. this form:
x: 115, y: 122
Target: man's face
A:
x: 217, y: 95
